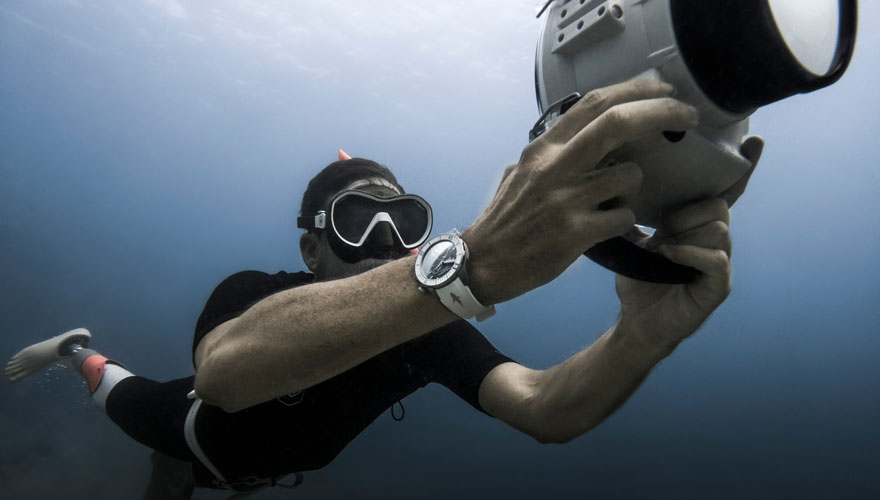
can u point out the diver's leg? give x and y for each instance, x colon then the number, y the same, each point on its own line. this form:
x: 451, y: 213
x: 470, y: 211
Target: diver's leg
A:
x: 100, y: 373
x: 39, y: 356
x: 150, y: 412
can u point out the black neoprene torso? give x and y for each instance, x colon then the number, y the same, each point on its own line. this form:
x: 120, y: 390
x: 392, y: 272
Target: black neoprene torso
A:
x: 307, y: 429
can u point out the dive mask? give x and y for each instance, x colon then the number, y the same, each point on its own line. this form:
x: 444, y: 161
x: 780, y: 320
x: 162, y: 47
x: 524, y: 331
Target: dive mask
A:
x: 354, y: 215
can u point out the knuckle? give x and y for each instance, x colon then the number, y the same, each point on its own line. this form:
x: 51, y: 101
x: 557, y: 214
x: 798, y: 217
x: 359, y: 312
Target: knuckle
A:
x: 632, y: 173
x: 614, y: 117
x: 571, y: 221
x: 530, y: 152
x: 611, y: 128
x: 595, y: 98
x: 622, y: 179
x: 534, y: 182
x: 669, y: 103
x: 718, y: 229
x: 720, y: 209
x: 679, y: 114
x: 720, y: 260
x: 560, y: 200
x: 645, y: 85
x: 718, y: 204
x: 727, y: 244
x: 674, y: 107
x: 536, y: 158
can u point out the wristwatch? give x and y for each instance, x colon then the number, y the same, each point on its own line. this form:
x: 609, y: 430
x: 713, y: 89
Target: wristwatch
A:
x: 440, y: 269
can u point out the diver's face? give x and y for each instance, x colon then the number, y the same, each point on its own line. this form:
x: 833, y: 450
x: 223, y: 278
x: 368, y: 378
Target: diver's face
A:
x: 378, y: 249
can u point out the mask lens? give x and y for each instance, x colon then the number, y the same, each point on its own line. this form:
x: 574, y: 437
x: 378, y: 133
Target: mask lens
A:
x: 352, y: 214
x: 410, y: 218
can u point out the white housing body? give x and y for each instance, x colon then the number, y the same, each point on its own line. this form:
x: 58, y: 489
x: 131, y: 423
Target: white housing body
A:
x: 588, y: 44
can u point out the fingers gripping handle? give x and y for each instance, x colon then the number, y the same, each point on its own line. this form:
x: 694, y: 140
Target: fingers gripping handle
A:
x: 628, y: 259
x: 619, y: 254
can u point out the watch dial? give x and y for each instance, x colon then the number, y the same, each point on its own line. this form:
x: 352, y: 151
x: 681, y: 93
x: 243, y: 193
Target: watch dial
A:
x: 439, y: 259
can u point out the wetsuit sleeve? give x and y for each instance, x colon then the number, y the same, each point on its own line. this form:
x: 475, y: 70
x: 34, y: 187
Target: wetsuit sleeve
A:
x: 459, y: 357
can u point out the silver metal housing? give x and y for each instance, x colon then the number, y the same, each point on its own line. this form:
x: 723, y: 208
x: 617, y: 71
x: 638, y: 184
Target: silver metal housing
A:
x: 588, y: 44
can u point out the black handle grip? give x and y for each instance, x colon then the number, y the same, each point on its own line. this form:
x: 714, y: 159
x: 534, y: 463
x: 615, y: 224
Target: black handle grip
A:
x: 628, y: 259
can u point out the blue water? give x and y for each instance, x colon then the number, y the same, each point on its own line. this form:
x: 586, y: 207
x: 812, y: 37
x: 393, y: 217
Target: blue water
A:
x: 150, y: 148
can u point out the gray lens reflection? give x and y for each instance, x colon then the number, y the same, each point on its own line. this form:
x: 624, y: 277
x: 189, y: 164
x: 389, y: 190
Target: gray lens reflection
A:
x: 810, y: 29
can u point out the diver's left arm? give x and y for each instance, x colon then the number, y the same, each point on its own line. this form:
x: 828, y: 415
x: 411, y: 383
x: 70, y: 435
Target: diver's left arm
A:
x: 567, y: 400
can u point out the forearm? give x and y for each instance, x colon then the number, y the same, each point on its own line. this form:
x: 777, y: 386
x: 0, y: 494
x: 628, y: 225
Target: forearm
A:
x: 300, y: 337
x: 578, y: 394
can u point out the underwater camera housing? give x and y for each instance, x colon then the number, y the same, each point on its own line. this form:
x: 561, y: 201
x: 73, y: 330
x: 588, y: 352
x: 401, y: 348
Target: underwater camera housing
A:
x: 725, y: 57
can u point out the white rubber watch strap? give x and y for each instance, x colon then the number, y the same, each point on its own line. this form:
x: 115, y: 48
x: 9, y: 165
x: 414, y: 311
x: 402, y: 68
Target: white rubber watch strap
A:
x: 458, y: 298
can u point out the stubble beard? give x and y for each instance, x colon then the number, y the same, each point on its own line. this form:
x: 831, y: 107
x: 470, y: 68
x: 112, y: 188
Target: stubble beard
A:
x: 360, y: 267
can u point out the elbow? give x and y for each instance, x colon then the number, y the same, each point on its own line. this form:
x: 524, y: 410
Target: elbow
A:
x: 227, y: 380
x: 217, y: 372
x: 559, y: 439
x: 545, y: 430
x: 209, y: 387
x: 545, y: 437
x: 214, y: 386
x: 539, y: 416
x: 560, y: 429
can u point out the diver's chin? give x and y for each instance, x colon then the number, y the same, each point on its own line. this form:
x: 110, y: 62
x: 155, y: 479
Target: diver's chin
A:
x: 367, y: 264
x: 373, y: 262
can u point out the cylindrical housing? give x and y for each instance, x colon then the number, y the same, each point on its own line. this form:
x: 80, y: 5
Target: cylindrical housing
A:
x: 736, y: 53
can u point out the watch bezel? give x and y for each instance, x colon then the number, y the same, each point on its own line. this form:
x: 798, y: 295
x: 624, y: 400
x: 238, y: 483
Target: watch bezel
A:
x: 449, y: 276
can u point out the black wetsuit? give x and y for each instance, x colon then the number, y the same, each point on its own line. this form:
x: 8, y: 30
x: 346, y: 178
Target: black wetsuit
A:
x: 303, y: 430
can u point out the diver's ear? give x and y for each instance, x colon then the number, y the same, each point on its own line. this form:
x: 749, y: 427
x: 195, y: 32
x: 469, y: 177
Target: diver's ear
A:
x: 308, y: 247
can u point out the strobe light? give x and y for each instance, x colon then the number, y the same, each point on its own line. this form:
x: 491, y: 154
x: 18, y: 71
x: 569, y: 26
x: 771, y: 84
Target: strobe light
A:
x: 726, y: 57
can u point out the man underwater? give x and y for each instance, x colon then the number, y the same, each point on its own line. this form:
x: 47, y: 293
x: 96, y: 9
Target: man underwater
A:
x: 331, y: 349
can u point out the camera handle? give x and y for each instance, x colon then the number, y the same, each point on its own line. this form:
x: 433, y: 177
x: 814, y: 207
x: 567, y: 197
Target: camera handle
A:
x: 629, y: 259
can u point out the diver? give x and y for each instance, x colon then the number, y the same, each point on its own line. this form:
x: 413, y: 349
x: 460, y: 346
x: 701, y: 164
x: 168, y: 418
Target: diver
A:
x: 290, y: 367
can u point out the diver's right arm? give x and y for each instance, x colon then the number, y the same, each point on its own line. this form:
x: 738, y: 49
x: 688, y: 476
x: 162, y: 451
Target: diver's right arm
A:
x: 299, y: 337
x: 544, y: 214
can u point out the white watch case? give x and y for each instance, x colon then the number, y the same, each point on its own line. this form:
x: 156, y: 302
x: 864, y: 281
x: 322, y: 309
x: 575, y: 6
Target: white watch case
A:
x: 440, y: 268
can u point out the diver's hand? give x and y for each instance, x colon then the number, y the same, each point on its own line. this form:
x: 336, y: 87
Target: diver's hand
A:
x: 698, y: 236
x: 546, y: 211
x: 751, y: 148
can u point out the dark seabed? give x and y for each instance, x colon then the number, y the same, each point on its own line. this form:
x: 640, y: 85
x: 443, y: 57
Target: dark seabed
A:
x: 148, y: 149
